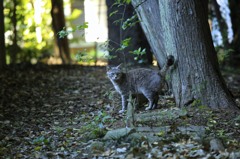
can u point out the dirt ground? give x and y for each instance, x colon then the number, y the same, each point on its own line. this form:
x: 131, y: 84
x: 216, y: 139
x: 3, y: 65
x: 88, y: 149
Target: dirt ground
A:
x: 53, y: 111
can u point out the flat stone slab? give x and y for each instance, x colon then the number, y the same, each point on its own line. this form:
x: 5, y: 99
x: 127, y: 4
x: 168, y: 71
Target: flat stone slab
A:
x: 159, y: 115
x: 153, y: 129
x: 118, y: 133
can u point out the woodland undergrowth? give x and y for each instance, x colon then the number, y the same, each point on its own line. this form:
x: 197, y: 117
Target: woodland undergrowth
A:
x: 56, y: 111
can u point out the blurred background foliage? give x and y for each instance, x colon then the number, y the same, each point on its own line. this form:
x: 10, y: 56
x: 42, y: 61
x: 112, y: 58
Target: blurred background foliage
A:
x: 30, y: 35
x: 28, y: 31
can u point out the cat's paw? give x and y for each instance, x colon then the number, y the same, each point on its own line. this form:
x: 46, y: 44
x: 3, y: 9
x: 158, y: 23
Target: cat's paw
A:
x: 153, y: 107
x: 121, y: 111
x: 148, y: 108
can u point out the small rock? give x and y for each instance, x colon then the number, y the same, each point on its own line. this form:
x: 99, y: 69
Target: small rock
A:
x: 197, y: 132
x: 216, y: 145
x: 7, y: 122
x: 234, y: 155
x: 121, y: 150
x: 97, y: 146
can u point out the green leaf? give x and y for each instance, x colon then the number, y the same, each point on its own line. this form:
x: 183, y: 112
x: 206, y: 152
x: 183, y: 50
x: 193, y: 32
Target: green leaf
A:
x: 75, y: 14
x: 126, y: 42
x: 38, y: 140
x: 83, y: 26
x: 130, y: 22
x: 109, y: 57
x: 117, y: 21
x: 38, y: 148
x: 113, y: 13
x: 139, y: 52
x: 63, y: 33
x: 127, y: 1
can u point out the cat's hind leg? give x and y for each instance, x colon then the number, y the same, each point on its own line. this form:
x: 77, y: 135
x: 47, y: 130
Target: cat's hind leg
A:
x: 151, y: 99
x: 155, y: 101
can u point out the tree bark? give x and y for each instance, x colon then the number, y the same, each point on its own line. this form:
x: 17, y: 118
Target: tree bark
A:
x: 234, y: 6
x: 14, y: 48
x: 2, y: 38
x: 180, y: 28
x: 58, y: 23
x: 116, y: 34
x: 215, y: 8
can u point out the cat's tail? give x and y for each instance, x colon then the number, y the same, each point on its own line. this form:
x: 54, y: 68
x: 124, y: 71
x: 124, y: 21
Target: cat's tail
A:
x: 169, y: 62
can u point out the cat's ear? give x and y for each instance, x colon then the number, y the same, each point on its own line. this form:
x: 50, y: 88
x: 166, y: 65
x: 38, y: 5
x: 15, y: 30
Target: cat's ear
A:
x: 119, y: 66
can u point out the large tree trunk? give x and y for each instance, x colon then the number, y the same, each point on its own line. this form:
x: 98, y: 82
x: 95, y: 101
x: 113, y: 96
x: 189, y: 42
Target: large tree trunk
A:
x: 116, y: 34
x: 2, y: 38
x: 180, y: 28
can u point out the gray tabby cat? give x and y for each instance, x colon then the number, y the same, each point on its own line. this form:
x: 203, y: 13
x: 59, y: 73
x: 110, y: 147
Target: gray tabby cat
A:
x: 144, y: 81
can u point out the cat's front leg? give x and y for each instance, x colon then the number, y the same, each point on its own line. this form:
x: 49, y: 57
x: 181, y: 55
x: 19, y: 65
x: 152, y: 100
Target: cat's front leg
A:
x: 124, y: 103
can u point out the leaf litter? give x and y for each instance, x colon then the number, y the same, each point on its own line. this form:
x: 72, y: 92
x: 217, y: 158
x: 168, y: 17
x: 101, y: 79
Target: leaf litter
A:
x: 63, y: 112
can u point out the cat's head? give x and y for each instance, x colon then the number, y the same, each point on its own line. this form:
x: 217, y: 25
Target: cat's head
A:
x: 114, y: 73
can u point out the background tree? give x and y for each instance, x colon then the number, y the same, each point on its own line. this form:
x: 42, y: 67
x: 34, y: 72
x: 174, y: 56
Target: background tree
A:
x: 235, y: 18
x: 28, y: 29
x: 117, y: 15
x: 14, y: 48
x: 58, y: 23
x: 215, y: 10
x: 2, y: 38
x: 180, y: 28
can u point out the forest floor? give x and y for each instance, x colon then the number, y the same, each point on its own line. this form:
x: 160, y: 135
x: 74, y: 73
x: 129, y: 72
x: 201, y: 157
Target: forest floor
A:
x: 64, y: 112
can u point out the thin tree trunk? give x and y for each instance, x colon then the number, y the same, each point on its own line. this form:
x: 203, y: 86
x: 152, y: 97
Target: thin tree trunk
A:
x: 222, y: 23
x: 180, y: 28
x: 14, y: 50
x: 58, y: 22
x: 2, y: 38
x: 235, y: 18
